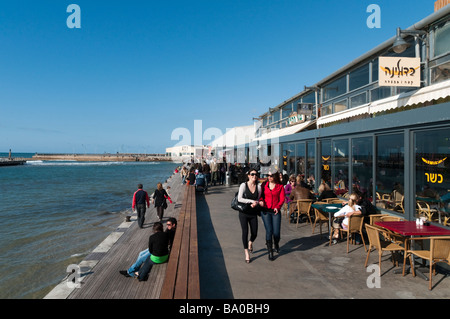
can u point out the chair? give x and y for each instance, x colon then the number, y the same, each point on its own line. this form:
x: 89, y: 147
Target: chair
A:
x: 335, y: 201
x: 320, y: 218
x: 423, y: 209
x: 329, y: 200
x: 355, y: 226
x: 303, y: 207
x: 439, y: 252
x: 390, y: 218
x: 381, y: 245
x: 376, y: 218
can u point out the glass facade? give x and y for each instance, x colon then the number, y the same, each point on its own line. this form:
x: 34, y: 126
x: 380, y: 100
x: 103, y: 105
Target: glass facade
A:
x: 340, y: 166
x: 390, y: 168
x: 432, y: 174
x: 362, y: 166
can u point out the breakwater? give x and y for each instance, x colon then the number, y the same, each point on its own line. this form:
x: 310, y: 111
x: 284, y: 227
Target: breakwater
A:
x: 119, y: 157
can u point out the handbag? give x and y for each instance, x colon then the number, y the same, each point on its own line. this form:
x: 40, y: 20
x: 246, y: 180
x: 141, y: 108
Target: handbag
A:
x: 236, y: 205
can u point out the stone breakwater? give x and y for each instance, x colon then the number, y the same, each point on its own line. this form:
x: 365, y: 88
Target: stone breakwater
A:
x: 103, y: 157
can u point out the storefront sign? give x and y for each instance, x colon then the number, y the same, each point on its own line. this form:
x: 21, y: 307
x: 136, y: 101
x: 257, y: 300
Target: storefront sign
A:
x: 295, y: 118
x: 394, y: 71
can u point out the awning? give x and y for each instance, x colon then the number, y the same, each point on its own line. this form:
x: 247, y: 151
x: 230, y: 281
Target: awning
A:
x: 284, y: 131
x: 429, y: 93
x: 426, y: 94
x: 363, y: 109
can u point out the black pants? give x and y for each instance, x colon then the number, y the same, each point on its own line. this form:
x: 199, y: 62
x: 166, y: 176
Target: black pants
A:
x: 140, y: 209
x: 246, y: 221
x: 160, y: 212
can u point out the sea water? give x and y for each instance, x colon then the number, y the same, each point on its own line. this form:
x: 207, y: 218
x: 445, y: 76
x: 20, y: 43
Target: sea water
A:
x: 54, y: 213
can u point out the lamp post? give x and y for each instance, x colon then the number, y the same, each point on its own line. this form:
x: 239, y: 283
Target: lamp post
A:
x: 400, y: 45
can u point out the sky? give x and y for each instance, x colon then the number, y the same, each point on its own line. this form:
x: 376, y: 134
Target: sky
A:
x: 137, y: 71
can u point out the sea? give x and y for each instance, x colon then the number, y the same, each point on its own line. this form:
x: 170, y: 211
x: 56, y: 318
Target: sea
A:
x: 54, y: 213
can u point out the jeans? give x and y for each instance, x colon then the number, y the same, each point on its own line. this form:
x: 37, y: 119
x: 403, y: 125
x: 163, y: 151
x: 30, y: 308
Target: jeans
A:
x: 140, y: 209
x: 272, y: 223
x: 139, y: 261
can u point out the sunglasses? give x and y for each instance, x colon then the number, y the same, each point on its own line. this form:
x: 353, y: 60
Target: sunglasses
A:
x: 253, y: 174
x: 270, y: 175
x: 169, y: 225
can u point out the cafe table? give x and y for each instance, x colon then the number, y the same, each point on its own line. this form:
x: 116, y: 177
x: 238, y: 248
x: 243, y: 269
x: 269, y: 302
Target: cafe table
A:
x: 412, y: 229
x: 330, y: 209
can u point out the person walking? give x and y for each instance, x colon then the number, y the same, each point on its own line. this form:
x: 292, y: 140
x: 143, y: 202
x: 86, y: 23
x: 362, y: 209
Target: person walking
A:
x: 140, y: 199
x: 214, y: 171
x: 249, y: 193
x: 273, y: 197
x: 159, y: 199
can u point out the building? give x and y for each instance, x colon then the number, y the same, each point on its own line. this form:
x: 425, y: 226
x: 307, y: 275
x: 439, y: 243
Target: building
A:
x: 187, y: 153
x: 379, y: 125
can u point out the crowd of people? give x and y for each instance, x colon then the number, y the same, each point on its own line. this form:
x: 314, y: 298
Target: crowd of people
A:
x: 160, y: 242
x: 267, y: 199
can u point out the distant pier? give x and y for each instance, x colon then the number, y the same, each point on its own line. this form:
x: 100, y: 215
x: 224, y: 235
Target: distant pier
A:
x: 9, y: 162
x: 118, y: 157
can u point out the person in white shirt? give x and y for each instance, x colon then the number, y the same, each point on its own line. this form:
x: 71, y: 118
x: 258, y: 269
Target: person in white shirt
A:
x: 348, y: 210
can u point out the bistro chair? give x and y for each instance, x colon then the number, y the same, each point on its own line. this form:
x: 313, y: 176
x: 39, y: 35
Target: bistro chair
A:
x: 439, y: 252
x: 320, y: 218
x: 376, y: 218
x: 423, y: 209
x: 355, y: 226
x: 303, y: 208
x: 390, y: 218
x: 335, y: 201
x: 382, y: 245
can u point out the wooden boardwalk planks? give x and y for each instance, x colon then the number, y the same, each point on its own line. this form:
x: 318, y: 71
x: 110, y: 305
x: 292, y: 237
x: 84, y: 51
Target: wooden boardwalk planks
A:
x: 104, y: 281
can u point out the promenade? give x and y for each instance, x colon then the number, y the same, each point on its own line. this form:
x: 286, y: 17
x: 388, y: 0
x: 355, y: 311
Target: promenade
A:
x: 306, y: 267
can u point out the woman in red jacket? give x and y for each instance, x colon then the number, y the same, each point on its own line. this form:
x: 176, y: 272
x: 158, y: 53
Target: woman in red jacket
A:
x: 272, y: 200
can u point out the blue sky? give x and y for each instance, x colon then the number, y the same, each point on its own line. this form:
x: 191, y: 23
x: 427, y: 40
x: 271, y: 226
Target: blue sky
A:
x: 137, y: 70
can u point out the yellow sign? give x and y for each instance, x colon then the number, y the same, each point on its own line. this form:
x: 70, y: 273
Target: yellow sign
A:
x: 433, y: 162
x: 398, y: 71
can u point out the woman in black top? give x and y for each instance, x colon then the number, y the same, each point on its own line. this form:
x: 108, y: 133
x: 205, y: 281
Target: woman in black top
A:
x: 159, y: 198
x: 249, y: 193
x: 158, y: 246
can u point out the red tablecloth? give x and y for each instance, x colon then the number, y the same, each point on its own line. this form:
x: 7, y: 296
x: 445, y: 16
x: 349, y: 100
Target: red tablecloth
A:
x: 410, y: 228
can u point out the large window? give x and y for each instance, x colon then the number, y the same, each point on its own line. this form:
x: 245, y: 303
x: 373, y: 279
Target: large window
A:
x: 326, y: 161
x: 340, y: 150
x: 362, y: 163
x: 335, y: 88
x: 442, y: 39
x: 433, y: 174
x: 311, y: 161
x: 289, y: 158
x: 359, y: 77
x: 358, y: 99
x: 300, y: 158
x: 390, y: 172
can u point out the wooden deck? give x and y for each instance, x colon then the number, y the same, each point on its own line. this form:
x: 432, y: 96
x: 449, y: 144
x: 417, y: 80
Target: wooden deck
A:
x: 104, y: 281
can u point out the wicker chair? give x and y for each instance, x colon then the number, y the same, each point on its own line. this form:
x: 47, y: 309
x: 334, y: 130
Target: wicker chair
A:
x: 355, y: 226
x: 390, y: 218
x: 439, y: 252
x: 382, y: 245
x: 303, y: 208
x: 423, y: 209
x: 376, y: 218
x: 320, y: 218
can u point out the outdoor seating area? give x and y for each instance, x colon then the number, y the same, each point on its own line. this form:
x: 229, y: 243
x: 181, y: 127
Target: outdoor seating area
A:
x: 405, y: 240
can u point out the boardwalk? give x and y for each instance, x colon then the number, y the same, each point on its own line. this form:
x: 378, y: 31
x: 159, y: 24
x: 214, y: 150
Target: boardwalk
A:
x: 100, y: 269
x: 305, y: 268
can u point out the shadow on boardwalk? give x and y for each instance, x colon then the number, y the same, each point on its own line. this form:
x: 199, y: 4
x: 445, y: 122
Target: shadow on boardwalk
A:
x: 214, y: 281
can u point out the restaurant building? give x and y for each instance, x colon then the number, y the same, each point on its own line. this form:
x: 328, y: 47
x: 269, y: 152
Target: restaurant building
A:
x: 379, y: 125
